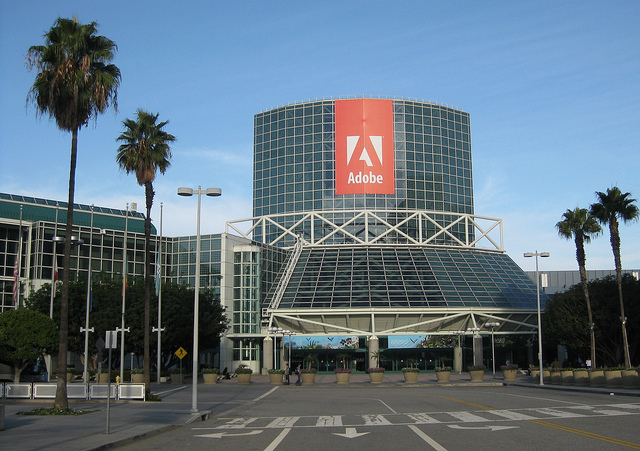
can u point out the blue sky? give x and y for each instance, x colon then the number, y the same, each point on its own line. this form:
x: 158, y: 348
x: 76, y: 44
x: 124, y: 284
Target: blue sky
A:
x: 552, y: 88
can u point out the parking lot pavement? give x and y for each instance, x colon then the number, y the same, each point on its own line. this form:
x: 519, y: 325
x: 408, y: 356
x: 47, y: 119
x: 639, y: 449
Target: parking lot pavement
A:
x: 133, y: 420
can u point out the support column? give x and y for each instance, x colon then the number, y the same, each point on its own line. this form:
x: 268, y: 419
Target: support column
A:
x: 457, y: 358
x: 267, y: 353
x: 477, y: 350
x: 373, y: 345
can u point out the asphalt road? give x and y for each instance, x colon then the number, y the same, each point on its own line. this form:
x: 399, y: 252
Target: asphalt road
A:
x: 328, y: 417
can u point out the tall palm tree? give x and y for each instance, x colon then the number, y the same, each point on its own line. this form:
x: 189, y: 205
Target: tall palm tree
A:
x: 610, y: 206
x: 74, y: 83
x: 145, y: 150
x: 581, y: 226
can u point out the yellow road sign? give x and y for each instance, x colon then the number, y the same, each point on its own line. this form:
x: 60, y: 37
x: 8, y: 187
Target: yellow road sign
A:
x: 181, y: 353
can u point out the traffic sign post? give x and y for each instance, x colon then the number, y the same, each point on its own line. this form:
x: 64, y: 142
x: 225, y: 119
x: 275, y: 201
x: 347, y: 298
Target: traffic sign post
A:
x: 181, y: 353
x: 111, y: 342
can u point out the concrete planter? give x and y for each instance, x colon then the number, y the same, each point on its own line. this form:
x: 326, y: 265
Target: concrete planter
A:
x: 376, y: 378
x: 177, y: 379
x: 613, y: 378
x: 103, y: 378
x: 244, y: 378
x: 69, y: 377
x: 630, y: 379
x: 596, y: 378
x: 546, y: 374
x: 581, y: 378
x: 556, y: 377
x: 308, y: 378
x: 535, y: 375
x: 477, y: 375
x: 443, y: 376
x: 567, y: 377
x: 210, y: 378
x: 276, y: 378
x: 137, y: 378
x: 510, y: 375
x: 343, y: 378
x: 410, y: 377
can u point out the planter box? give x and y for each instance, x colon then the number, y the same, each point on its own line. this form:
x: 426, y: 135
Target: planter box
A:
x: 596, y: 378
x: 137, y: 378
x: 276, y: 379
x: 546, y: 374
x: 509, y: 375
x: 210, y: 378
x: 556, y: 377
x: 177, y: 379
x: 630, y: 379
x: 535, y: 375
x: 343, y: 378
x: 376, y: 378
x: 581, y: 378
x: 410, y: 377
x: 443, y: 376
x: 244, y: 378
x: 613, y: 378
x: 103, y: 379
x: 477, y: 376
x: 308, y: 378
x: 567, y: 377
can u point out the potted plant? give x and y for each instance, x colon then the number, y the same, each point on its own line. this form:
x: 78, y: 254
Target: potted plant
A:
x: 244, y: 374
x: 596, y: 377
x: 309, y: 373
x: 137, y: 375
x: 476, y: 372
x: 343, y: 374
x: 580, y: 376
x: 176, y: 376
x: 376, y: 375
x: 410, y: 374
x: 630, y: 378
x: 443, y: 373
x: 210, y: 375
x: 613, y: 376
x: 70, y: 373
x: 509, y: 372
x: 276, y: 376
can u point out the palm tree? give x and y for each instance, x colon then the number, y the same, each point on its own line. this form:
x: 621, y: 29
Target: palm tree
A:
x: 610, y: 206
x: 581, y: 226
x: 145, y: 150
x: 74, y: 83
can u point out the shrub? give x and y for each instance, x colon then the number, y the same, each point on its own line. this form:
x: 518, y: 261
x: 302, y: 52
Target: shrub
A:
x: 342, y: 370
x: 375, y: 370
x: 410, y: 370
x: 443, y: 368
x: 275, y: 371
x: 209, y: 370
x: 476, y: 367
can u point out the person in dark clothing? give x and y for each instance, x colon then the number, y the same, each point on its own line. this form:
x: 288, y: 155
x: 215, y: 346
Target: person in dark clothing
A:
x: 299, y: 373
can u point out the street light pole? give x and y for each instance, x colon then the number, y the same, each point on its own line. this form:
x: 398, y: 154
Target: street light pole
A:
x: 86, y: 330
x: 537, y: 254
x: 214, y: 192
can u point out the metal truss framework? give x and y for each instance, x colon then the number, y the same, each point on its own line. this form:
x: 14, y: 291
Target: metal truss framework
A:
x: 384, y: 322
x: 373, y: 227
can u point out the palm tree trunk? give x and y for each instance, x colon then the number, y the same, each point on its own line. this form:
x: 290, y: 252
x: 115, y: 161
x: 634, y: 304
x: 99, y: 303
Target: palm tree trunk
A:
x: 61, y: 400
x: 615, y: 245
x: 148, y: 190
x: 580, y: 255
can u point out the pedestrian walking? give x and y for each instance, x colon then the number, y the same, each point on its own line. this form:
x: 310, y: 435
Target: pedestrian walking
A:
x: 299, y: 374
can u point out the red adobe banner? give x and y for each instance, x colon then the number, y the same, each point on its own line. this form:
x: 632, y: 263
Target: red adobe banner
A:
x: 364, y: 147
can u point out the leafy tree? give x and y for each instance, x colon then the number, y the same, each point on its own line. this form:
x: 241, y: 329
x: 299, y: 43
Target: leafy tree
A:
x: 177, y: 309
x: 145, y: 150
x: 74, y: 83
x: 26, y: 335
x: 565, y: 320
x: 580, y: 225
x: 611, y: 206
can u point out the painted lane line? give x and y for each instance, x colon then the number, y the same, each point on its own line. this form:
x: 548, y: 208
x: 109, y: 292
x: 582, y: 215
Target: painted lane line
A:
x: 266, y: 394
x: 511, y: 415
x: 330, y: 420
x: 423, y: 418
x: 351, y: 433
x: 283, y: 422
x: 227, y: 434
x: 481, y: 428
x: 274, y: 444
x: 375, y: 420
x: 588, y: 434
x: 468, y: 417
x: 237, y: 423
x: 435, y: 445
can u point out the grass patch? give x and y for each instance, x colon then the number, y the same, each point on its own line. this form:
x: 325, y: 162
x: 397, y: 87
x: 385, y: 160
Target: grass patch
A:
x: 55, y: 411
x: 152, y: 397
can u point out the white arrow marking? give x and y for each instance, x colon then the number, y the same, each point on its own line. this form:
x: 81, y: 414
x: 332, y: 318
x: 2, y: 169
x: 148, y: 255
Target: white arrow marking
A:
x: 226, y: 434
x: 351, y: 433
x: 491, y: 428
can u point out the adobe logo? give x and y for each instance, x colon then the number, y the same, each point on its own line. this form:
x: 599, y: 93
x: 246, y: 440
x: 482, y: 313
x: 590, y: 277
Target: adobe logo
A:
x: 364, y: 147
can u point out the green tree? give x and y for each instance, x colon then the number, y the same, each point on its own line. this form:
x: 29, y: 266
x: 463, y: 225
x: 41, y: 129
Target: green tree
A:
x: 145, y: 150
x: 565, y: 320
x: 611, y: 206
x: 25, y: 335
x: 74, y: 83
x: 581, y: 226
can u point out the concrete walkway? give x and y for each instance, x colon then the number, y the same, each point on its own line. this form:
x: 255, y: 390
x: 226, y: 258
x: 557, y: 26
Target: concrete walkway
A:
x: 133, y: 420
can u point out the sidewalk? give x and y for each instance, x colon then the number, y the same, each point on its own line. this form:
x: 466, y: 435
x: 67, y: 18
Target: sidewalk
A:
x: 133, y: 420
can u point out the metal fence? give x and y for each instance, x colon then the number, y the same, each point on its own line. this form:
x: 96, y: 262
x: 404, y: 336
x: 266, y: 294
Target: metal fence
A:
x: 40, y: 390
